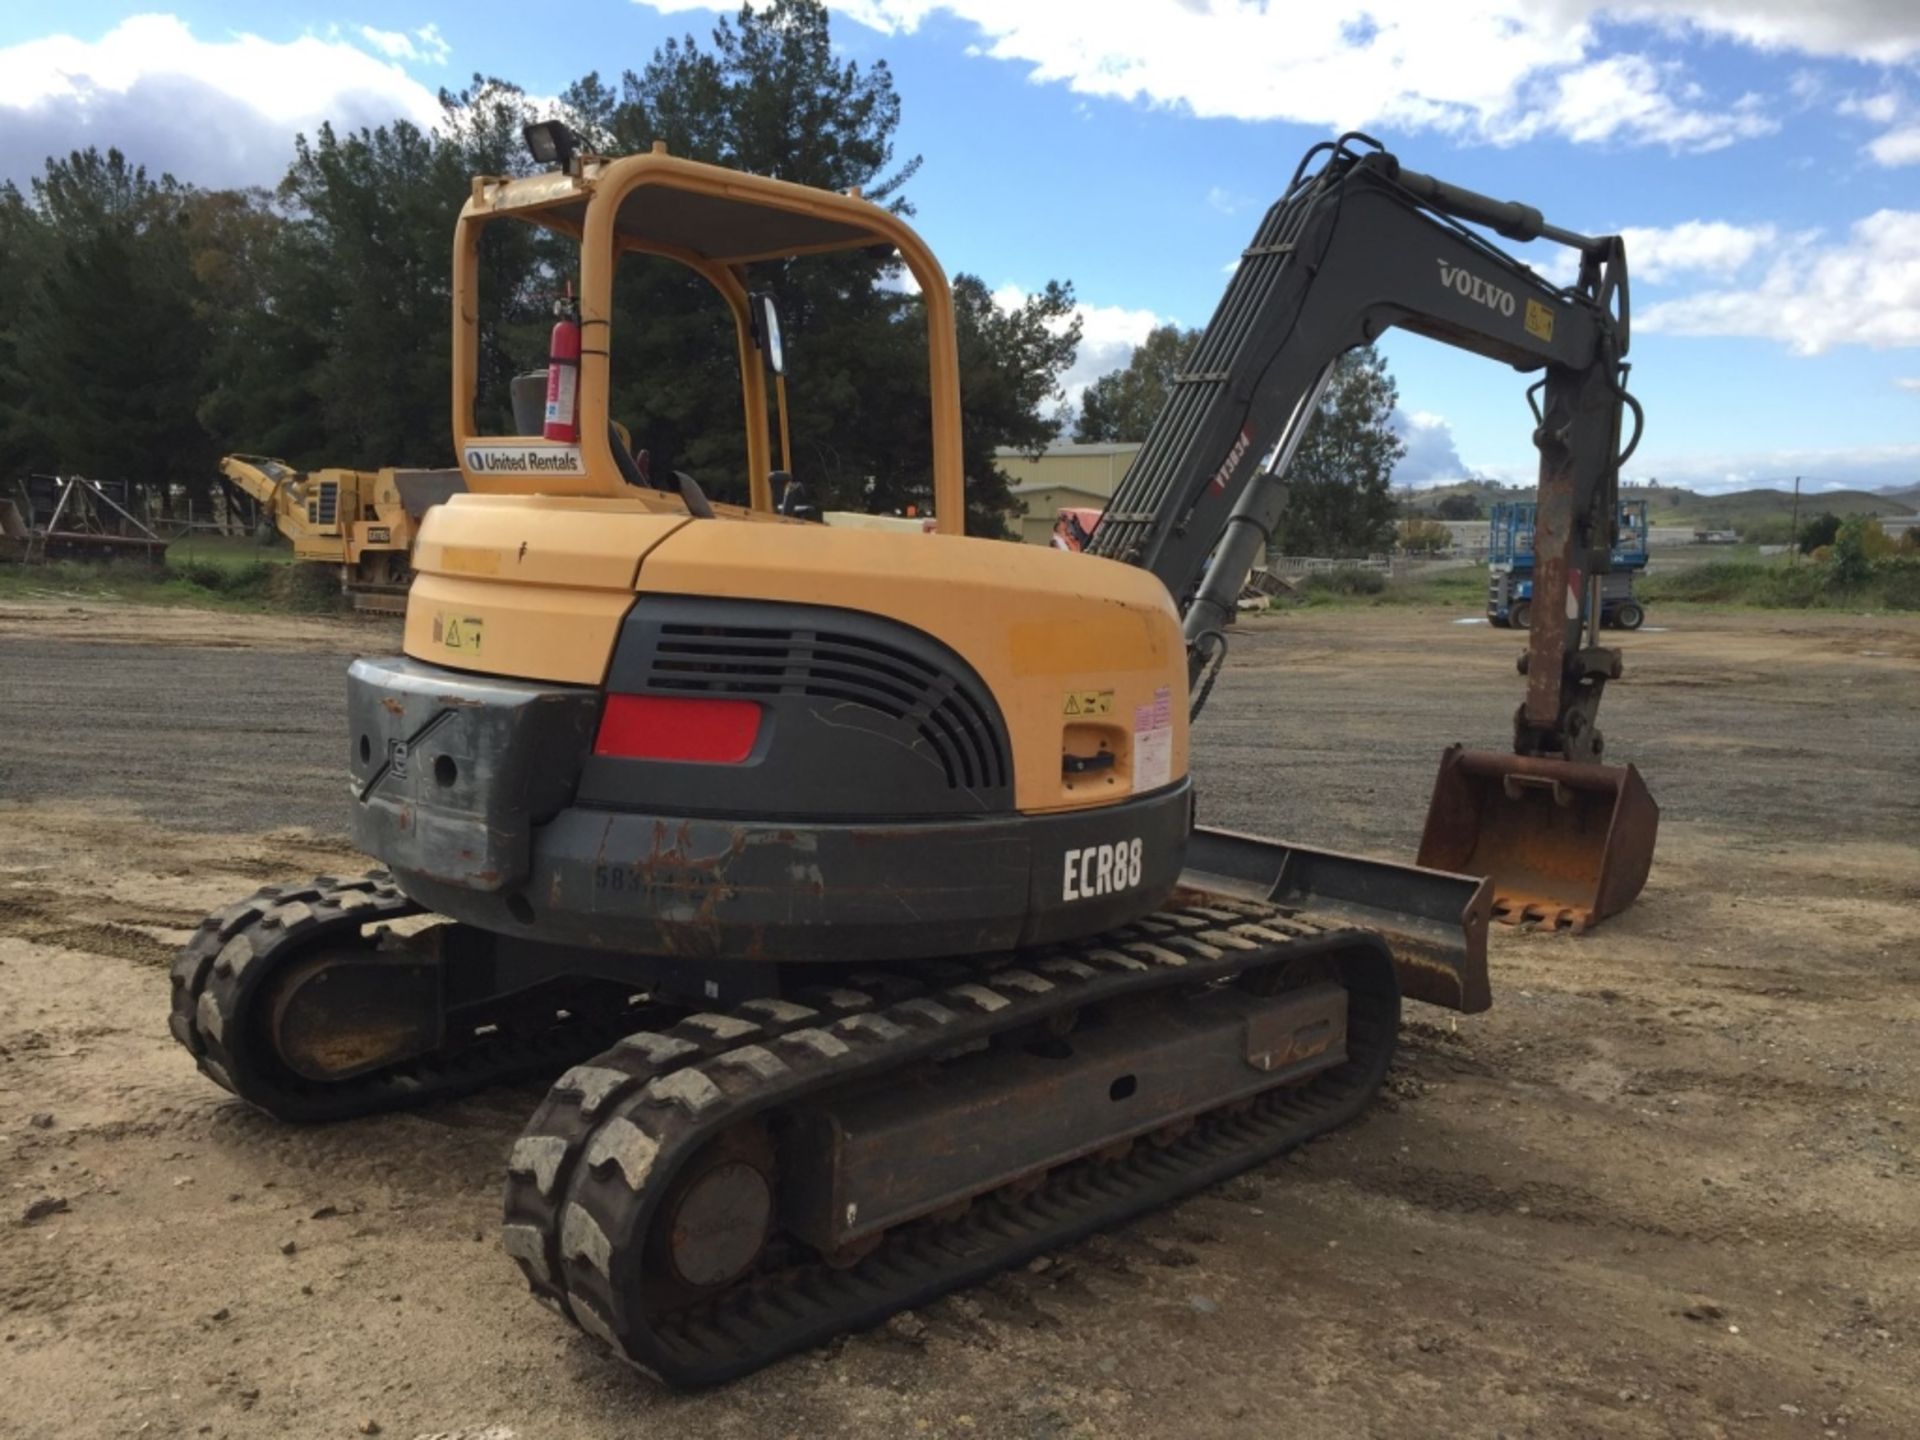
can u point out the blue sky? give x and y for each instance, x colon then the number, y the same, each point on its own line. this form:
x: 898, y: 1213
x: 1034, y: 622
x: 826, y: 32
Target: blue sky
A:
x: 1763, y: 157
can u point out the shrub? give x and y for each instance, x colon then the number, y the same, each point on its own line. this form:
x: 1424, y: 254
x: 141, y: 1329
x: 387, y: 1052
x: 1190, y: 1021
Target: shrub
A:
x: 251, y: 581
x: 203, y: 573
x: 1767, y: 530
x: 1902, y: 581
x: 1860, y: 542
x: 1819, y: 531
x: 306, y: 587
x: 1723, y: 582
x: 1346, y: 580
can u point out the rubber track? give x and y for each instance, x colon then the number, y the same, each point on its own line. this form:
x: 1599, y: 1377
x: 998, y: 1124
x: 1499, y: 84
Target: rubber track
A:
x: 587, y: 1175
x: 224, y: 972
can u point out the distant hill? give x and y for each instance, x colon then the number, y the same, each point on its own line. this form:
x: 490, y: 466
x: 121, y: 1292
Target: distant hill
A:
x: 1676, y: 505
x: 1744, y: 509
x: 1909, y: 495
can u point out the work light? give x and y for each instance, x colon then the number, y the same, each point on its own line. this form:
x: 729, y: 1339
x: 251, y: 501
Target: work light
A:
x: 550, y: 142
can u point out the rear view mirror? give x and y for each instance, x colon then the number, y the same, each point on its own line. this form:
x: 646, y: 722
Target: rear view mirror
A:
x: 766, y: 327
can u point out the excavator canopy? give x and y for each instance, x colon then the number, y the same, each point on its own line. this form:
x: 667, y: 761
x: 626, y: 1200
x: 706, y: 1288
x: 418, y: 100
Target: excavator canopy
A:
x: 718, y: 223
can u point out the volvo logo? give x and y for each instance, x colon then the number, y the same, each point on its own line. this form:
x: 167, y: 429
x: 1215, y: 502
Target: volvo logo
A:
x: 1458, y: 277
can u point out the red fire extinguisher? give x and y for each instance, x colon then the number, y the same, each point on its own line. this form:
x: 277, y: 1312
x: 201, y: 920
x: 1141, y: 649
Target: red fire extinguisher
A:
x: 563, y: 373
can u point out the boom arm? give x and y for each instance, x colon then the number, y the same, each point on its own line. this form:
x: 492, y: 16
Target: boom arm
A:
x: 1352, y: 249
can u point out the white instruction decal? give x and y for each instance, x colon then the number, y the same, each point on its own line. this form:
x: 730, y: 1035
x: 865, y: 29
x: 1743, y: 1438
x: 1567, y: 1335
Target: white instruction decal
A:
x: 1153, y: 741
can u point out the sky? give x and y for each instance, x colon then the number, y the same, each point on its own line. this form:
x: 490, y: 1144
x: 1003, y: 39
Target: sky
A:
x: 1762, y: 158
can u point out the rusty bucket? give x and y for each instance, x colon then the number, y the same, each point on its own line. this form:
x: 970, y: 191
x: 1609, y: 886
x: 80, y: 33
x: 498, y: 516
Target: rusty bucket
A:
x: 1566, y: 844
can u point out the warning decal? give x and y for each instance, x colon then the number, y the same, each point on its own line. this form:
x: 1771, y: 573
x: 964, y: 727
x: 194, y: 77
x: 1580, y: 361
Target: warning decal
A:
x: 458, y: 632
x: 1088, y: 702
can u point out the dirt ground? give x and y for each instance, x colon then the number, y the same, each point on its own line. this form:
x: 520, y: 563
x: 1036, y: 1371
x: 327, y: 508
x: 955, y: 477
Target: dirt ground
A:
x: 1667, y: 1186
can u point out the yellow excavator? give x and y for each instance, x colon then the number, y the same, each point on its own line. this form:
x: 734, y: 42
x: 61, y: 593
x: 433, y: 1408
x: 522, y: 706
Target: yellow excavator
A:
x: 850, y: 880
x: 361, y: 522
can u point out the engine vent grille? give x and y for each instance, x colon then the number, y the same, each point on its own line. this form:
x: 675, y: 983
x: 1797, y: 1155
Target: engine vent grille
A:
x: 837, y: 665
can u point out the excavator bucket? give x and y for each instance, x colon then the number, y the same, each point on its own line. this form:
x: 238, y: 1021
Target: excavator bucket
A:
x: 1566, y: 844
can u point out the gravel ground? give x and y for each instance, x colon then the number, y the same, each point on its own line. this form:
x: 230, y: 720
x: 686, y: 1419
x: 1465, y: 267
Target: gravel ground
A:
x: 1665, y: 1187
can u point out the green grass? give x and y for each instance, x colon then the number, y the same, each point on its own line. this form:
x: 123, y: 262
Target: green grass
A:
x: 1772, y: 585
x: 1738, y: 582
x: 227, y: 551
x: 1355, y: 586
x: 217, y: 576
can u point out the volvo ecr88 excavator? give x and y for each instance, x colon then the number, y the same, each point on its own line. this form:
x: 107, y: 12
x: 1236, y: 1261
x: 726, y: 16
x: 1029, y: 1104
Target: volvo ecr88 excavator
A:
x: 854, y: 874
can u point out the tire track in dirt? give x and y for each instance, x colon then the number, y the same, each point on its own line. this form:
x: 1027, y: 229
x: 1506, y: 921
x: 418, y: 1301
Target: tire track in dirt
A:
x: 1470, y: 1193
x: 111, y: 929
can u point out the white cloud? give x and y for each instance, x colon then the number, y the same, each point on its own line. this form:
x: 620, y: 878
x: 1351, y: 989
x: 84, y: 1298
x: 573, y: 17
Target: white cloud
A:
x: 1880, y: 109
x: 1227, y: 202
x: 1909, y: 382
x: 1432, y: 457
x: 1866, y: 467
x: 1498, y: 70
x: 1630, y: 97
x: 1712, y: 247
x: 426, y: 44
x: 1897, y: 147
x: 1108, y: 335
x: 1656, y: 254
x: 218, y: 112
x: 394, y: 44
x: 1885, y: 32
x: 1813, y: 295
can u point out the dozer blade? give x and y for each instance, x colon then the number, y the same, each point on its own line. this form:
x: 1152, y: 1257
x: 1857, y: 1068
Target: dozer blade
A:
x: 1566, y: 844
x: 1434, y: 923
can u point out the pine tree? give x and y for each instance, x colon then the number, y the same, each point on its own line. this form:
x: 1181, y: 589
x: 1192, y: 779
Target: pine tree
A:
x: 108, y: 349
x: 1123, y: 404
x: 1339, y: 500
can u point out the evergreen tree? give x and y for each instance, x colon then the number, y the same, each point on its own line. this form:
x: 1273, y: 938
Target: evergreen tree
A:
x: 1338, y: 498
x: 23, y: 258
x: 768, y: 95
x: 256, y: 269
x: 1820, y: 530
x: 106, y: 352
x: 374, y: 215
x: 1123, y: 404
x: 164, y: 325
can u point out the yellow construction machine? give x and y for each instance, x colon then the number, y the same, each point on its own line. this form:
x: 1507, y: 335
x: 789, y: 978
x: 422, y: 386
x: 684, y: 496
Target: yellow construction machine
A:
x: 855, y: 874
x: 362, y: 522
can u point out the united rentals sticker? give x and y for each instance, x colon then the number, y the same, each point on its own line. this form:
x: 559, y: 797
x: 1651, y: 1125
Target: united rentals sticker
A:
x: 523, y: 457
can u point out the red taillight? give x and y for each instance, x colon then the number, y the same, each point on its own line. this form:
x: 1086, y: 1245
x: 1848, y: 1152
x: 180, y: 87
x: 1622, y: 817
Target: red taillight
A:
x: 663, y: 727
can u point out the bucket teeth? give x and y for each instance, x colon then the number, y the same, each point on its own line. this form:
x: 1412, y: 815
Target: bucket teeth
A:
x: 1565, y: 843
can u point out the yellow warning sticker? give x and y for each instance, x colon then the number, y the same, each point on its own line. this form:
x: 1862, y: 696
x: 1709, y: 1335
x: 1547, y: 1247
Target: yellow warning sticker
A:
x: 1088, y: 702
x: 470, y: 559
x: 1539, y: 320
x: 458, y: 632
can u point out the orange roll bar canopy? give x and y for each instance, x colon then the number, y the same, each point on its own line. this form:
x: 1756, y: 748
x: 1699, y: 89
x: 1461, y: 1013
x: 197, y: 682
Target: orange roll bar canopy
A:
x: 717, y: 222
